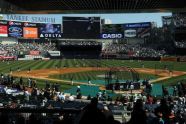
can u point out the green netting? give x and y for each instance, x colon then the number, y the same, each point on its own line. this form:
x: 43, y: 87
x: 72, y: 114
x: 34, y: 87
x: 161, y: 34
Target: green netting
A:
x: 157, y: 90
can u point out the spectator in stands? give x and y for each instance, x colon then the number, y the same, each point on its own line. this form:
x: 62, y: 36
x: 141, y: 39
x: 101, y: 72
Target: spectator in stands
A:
x: 29, y: 82
x: 71, y: 98
x: 138, y: 115
x: 158, y: 119
x: 21, y: 81
x: 47, y: 85
x: 164, y: 109
x: 89, y: 97
x: 79, y: 95
x: 92, y: 115
x: 89, y: 81
x: 62, y: 96
x: 78, y: 89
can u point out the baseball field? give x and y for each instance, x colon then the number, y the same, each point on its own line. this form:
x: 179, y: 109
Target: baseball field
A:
x: 62, y: 71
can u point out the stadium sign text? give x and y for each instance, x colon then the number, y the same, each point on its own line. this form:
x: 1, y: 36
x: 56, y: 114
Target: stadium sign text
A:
x: 50, y: 35
x: 15, y: 23
x: 112, y: 36
x: 138, y: 25
x: 26, y: 24
x: 30, y: 18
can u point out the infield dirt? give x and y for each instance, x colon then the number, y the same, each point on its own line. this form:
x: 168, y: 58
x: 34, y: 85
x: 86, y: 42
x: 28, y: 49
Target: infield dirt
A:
x: 44, y: 73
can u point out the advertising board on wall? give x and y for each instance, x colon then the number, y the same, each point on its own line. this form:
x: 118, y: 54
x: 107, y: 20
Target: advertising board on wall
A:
x: 112, y: 31
x: 3, y: 28
x: 137, y: 30
x: 29, y: 32
x: 50, y: 31
x: 54, y: 53
x: 15, y: 29
x: 34, y: 52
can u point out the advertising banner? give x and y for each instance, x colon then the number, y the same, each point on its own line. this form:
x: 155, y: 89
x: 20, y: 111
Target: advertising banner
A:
x: 15, y: 29
x: 54, y: 53
x: 137, y: 30
x: 173, y: 59
x: 137, y: 25
x: 3, y: 52
x: 50, y: 31
x: 29, y: 32
x: 34, y: 52
x: 182, y: 59
x: 112, y: 31
x: 3, y: 31
x: 112, y: 36
x: 3, y: 28
x: 7, y: 57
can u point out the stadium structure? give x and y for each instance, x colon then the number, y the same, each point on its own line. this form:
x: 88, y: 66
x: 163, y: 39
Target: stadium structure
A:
x: 83, y: 70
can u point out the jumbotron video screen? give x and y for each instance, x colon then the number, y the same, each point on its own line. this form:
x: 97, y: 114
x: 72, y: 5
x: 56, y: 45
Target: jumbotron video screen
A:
x: 81, y: 27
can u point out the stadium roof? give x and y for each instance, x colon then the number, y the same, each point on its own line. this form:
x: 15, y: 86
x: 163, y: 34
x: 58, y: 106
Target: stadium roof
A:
x: 92, y: 6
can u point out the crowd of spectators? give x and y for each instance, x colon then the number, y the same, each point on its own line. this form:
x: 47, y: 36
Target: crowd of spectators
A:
x: 179, y: 20
x: 81, y: 43
x: 26, y: 47
x: 43, y: 47
x: 180, y: 44
x: 133, y: 50
x: 145, y: 109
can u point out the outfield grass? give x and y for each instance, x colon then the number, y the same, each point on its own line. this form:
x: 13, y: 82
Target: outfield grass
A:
x: 43, y: 64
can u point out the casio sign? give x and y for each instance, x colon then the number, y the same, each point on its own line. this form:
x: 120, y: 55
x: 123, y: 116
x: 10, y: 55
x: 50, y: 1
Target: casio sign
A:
x: 112, y: 36
x: 130, y: 33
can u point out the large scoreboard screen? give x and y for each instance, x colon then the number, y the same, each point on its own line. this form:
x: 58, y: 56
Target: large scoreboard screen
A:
x: 81, y: 27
